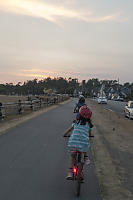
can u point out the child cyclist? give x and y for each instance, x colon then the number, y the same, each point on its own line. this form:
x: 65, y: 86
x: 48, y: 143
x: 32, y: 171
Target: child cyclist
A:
x: 79, y: 139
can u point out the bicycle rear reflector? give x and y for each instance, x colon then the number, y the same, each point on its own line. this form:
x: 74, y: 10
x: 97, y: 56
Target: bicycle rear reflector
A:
x: 75, y: 170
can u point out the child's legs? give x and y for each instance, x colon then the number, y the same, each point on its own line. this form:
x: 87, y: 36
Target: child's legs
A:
x: 86, y: 158
x: 72, y: 160
x: 71, y: 164
x: 85, y: 155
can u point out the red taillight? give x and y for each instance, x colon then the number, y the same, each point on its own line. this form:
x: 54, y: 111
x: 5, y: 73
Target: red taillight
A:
x: 75, y: 170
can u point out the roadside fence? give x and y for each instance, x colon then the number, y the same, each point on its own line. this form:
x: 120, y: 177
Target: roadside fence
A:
x: 20, y: 107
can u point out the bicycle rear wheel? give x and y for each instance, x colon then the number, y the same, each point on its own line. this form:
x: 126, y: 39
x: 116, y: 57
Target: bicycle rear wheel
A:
x: 78, y: 182
x: 79, y: 177
x: 77, y: 187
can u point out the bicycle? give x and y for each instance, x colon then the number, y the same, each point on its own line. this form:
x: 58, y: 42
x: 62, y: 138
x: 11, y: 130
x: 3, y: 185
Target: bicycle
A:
x: 77, y: 171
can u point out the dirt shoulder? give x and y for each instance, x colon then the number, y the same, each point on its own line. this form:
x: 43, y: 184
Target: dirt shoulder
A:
x: 112, y: 149
x: 16, y: 120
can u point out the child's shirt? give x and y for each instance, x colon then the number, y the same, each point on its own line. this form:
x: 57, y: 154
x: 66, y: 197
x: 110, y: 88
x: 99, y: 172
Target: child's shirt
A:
x: 79, y: 139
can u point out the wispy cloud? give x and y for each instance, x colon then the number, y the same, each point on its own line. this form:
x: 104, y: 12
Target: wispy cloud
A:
x: 42, y: 74
x: 52, y: 12
x: 36, y: 73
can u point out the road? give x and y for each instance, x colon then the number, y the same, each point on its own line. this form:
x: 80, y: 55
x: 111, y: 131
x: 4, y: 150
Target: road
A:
x: 34, y: 160
x: 115, y: 106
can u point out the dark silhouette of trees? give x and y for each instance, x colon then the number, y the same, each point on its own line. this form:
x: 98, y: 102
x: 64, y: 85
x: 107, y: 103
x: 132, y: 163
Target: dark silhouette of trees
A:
x: 63, y: 86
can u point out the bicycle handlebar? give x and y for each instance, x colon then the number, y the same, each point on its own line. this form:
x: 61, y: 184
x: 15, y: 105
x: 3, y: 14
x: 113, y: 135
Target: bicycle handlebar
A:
x: 66, y: 135
x: 69, y: 136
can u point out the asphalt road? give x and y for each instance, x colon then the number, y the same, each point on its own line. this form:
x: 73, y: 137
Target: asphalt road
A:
x: 115, y: 106
x: 34, y: 161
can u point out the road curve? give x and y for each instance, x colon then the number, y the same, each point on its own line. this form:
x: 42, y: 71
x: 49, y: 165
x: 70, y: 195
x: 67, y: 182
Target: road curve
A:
x: 34, y: 161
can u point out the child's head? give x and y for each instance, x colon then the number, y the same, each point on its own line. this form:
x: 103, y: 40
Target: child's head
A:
x: 81, y: 99
x: 84, y: 115
x: 85, y: 112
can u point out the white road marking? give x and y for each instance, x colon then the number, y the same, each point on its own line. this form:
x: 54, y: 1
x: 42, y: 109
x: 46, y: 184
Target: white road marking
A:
x: 109, y: 109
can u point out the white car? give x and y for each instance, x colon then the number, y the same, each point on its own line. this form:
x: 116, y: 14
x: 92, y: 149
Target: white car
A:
x: 102, y: 100
x: 129, y: 110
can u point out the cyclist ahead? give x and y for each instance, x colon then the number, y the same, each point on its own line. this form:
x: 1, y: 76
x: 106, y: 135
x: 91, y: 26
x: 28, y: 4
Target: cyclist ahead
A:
x: 81, y: 102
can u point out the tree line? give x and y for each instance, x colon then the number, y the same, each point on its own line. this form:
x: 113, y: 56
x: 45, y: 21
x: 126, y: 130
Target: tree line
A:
x: 64, y: 86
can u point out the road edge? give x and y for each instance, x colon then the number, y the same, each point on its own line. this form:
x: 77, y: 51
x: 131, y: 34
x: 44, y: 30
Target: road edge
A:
x: 20, y: 120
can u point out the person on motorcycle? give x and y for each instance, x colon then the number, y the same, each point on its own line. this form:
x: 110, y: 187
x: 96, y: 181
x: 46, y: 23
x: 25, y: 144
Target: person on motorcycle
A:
x: 79, y: 139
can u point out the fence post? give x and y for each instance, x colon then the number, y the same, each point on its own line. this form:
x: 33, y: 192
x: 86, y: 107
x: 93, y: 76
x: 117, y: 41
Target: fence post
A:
x: 40, y: 102
x: 31, y: 105
x: 47, y: 101
x: 2, y: 111
x: 58, y: 100
x: 54, y: 100
x: 20, y: 107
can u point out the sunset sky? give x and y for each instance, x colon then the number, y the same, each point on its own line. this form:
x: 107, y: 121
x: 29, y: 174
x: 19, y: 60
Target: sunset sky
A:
x: 70, y: 38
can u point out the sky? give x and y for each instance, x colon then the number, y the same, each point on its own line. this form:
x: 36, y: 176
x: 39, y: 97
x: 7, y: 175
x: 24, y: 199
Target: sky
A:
x: 66, y: 38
